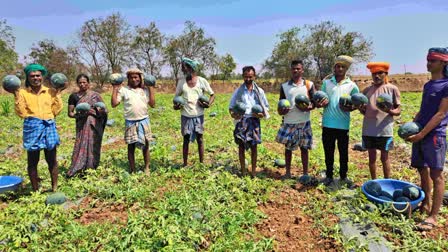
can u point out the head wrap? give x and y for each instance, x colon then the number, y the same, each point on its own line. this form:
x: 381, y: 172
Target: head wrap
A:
x: 376, y: 67
x: 33, y: 68
x: 135, y: 71
x: 439, y: 53
x: 192, y: 63
x: 344, y: 60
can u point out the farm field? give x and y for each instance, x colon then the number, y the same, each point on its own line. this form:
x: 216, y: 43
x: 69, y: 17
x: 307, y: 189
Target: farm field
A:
x: 202, y: 207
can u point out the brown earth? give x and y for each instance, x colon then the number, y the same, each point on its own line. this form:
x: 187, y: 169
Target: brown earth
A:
x: 100, y: 212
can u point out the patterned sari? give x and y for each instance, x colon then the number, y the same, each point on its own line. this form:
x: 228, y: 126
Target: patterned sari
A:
x: 89, y: 134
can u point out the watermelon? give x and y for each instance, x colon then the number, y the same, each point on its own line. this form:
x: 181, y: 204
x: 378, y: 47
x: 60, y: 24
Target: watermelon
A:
x: 204, y: 98
x: 397, y: 194
x: 82, y: 107
x: 305, y: 179
x: 256, y: 109
x: 11, y: 83
x: 279, y: 163
x: 110, y: 122
x: 283, y: 103
x: 385, y: 198
x: 373, y: 188
x: 197, y: 216
x: 149, y: 80
x: 239, y: 108
x: 116, y: 79
x: 345, y: 100
x: 302, y: 101
x: 408, y: 129
x: 359, y: 147
x: 384, y: 101
x: 359, y: 99
x: 445, y: 198
x: 213, y: 114
x: 56, y: 199
x: 58, y: 80
x: 100, y: 105
x: 319, y: 96
x: 411, y: 192
x: 370, y: 207
x: 386, y: 194
x: 179, y: 100
x: 402, y: 199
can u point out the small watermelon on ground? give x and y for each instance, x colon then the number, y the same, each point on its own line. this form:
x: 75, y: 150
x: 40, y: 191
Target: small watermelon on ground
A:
x: 411, y: 192
x: 239, y: 108
x: 386, y: 194
x: 213, y: 114
x: 302, y: 101
x: 149, y: 80
x: 305, y: 179
x: 359, y: 99
x: 319, y: 96
x: 11, y: 83
x: 373, y: 188
x: 384, y: 101
x: 256, y: 109
x: 58, y: 80
x: 56, y: 199
x: 283, y: 103
x: 345, y: 100
x: 204, y: 98
x: 408, y: 129
x: 370, y: 207
x: 100, y: 105
x: 397, y: 194
x: 179, y: 100
x: 116, y: 79
x: 82, y: 107
x: 279, y: 163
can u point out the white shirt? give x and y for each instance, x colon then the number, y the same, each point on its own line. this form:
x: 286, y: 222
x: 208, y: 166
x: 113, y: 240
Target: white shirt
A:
x: 191, y: 96
x: 291, y: 90
x: 135, y: 102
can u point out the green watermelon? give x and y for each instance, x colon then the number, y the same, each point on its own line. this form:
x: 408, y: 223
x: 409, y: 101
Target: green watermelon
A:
x: 82, y: 107
x: 385, y: 198
x: 402, y: 199
x: 370, y: 207
x: 204, y: 98
x: 408, y: 129
x: 179, y: 100
x: 359, y: 99
x: 283, y: 103
x: 373, y: 188
x: 319, y: 96
x: 197, y: 216
x: 149, y: 80
x: 116, y: 79
x: 386, y: 194
x: 11, y: 83
x: 345, y: 100
x: 302, y: 101
x: 56, y: 199
x: 411, y: 192
x: 256, y: 109
x: 100, y: 105
x: 279, y: 163
x: 397, y: 194
x: 384, y: 101
x: 213, y: 114
x: 305, y: 179
x: 239, y: 108
x: 58, y: 80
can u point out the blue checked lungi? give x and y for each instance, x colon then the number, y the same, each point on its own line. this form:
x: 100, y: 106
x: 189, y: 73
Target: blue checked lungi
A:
x: 294, y: 136
x: 39, y: 134
x: 138, y: 132
x: 247, y: 132
x: 192, y: 126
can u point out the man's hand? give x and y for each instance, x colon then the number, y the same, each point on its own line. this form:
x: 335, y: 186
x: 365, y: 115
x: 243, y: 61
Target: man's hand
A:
x: 322, y: 103
x: 283, y: 111
x: 177, y: 106
x: 415, y: 138
x: 235, y: 116
x: 204, y: 104
x: 363, y: 109
x: 258, y: 115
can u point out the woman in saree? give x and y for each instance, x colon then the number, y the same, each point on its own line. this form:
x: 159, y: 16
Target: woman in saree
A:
x: 89, y: 127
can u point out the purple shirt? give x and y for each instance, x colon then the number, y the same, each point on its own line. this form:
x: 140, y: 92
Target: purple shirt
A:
x: 433, y: 93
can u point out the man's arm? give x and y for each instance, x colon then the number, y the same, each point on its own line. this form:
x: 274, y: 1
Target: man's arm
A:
x: 20, y: 106
x: 435, y: 120
x: 114, y: 99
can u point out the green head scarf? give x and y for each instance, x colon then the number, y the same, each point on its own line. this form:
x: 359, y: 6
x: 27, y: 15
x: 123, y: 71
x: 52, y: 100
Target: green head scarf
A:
x: 33, y: 68
x: 192, y: 63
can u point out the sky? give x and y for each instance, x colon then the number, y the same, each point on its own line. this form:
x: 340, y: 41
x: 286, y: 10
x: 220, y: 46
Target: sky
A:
x: 401, y: 31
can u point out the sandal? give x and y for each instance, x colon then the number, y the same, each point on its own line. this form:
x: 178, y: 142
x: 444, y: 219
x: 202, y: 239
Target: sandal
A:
x: 425, y: 226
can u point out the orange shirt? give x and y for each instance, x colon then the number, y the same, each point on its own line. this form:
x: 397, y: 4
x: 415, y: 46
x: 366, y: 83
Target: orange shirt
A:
x: 46, y: 104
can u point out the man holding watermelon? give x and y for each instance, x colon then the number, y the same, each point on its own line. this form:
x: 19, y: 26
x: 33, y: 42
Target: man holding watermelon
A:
x: 336, y: 118
x: 377, y: 127
x: 295, y: 131
x: 429, y: 145
x: 193, y: 89
x: 38, y: 106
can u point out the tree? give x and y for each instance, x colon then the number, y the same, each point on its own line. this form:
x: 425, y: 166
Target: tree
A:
x: 192, y: 43
x: 8, y: 56
x: 148, y: 49
x: 226, y: 66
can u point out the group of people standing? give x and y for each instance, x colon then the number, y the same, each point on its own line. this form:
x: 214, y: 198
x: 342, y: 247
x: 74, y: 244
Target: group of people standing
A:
x: 39, y: 105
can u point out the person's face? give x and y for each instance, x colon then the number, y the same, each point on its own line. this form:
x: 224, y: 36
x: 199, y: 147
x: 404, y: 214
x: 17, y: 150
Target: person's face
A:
x: 249, y: 76
x: 297, y: 71
x: 340, y: 70
x: 134, y: 80
x: 435, y: 66
x: 379, y: 78
x: 35, y: 78
x: 83, y: 84
x: 186, y: 69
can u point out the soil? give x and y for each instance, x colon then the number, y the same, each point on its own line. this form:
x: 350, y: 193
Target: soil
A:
x: 101, y: 212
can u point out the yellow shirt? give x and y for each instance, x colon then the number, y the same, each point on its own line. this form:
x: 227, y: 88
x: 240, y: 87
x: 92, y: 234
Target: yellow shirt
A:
x: 44, y: 105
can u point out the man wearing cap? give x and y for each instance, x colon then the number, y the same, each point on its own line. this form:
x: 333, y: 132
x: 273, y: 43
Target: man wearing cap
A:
x: 377, y: 128
x: 136, y: 97
x: 192, y: 113
x: 38, y: 106
x: 429, y: 145
x: 336, y: 118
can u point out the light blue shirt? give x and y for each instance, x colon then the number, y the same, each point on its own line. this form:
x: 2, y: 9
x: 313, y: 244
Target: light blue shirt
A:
x: 333, y: 116
x: 249, y: 98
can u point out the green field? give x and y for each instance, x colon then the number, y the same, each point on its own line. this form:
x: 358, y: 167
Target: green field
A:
x: 200, y: 207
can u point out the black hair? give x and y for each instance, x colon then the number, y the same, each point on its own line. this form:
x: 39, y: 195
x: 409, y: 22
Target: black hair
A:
x: 248, y: 68
x: 82, y: 76
x: 296, y: 62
